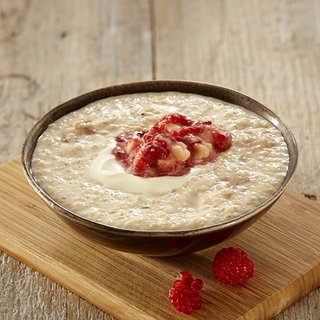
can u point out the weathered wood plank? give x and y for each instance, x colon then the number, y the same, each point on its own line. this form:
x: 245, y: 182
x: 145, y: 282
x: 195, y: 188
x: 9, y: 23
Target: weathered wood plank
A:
x: 52, y: 51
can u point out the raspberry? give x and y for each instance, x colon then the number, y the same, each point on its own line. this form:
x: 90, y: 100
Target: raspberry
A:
x: 185, y: 277
x: 188, y: 130
x: 221, y: 140
x: 175, y: 118
x: 171, y: 147
x: 119, y: 153
x: 184, y: 293
x: 190, y: 140
x: 232, y: 266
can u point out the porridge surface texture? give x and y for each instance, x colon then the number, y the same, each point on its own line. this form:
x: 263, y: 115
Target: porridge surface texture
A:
x: 241, y: 178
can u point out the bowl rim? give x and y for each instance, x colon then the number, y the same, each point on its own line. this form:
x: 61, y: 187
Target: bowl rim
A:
x: 201, y: 88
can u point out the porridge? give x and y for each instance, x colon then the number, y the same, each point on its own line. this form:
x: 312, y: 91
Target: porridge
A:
x: 77, y: 164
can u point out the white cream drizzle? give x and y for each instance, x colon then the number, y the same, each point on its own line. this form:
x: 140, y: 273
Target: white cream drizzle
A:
x: 107, y: 170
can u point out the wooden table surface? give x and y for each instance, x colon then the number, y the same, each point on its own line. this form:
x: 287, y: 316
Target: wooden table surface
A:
x: 51, y: 51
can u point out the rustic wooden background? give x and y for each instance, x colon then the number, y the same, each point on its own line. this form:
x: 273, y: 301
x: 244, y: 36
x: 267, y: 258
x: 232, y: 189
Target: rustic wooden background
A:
x: 51, y: 51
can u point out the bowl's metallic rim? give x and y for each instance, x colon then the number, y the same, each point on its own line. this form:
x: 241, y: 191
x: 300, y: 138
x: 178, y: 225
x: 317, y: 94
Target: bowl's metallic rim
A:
x: 201, y: 88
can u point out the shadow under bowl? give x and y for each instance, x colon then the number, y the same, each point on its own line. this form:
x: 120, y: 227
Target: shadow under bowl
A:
x: 159, y: 243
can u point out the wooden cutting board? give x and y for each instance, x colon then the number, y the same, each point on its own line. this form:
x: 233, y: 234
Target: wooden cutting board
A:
x: 284, y: 245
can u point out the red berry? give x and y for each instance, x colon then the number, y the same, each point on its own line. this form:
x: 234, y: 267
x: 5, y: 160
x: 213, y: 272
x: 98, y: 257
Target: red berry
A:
x: 119, y: 153
x: 185, y: 299
x: 197, y: 284
x: 206, y: 122
x: 186, y: 277
x: 154, y: 152
x: 221, y: 140
x: 184, y: 293
x: 232, y: 266
x: 139, y: 165
x: 163, y: 140
x: 177, y: 283
x: 194, y: 130
x: 175, y: 118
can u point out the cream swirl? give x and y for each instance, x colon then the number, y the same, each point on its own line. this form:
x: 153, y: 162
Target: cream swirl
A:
x: 109, y: 172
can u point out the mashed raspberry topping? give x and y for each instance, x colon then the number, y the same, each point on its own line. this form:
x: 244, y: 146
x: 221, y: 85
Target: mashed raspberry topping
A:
x: 171, y: 147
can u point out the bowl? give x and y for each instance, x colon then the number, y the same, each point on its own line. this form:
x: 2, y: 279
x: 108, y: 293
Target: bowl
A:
x: 159, y: 243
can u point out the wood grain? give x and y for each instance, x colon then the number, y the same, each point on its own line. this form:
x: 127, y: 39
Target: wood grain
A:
x: 60, y: 49
x: 51, y: 51
x: 286, y: 267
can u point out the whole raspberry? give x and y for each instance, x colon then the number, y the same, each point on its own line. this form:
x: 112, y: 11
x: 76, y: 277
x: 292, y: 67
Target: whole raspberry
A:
x: 184, y: 293
x: 232, y: 266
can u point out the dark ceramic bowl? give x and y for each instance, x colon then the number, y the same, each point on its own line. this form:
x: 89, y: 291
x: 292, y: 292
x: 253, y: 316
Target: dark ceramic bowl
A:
x: 159, y: 243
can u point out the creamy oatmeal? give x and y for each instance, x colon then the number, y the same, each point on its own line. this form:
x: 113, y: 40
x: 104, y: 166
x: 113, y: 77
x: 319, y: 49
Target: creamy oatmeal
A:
x: 74, y: 164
